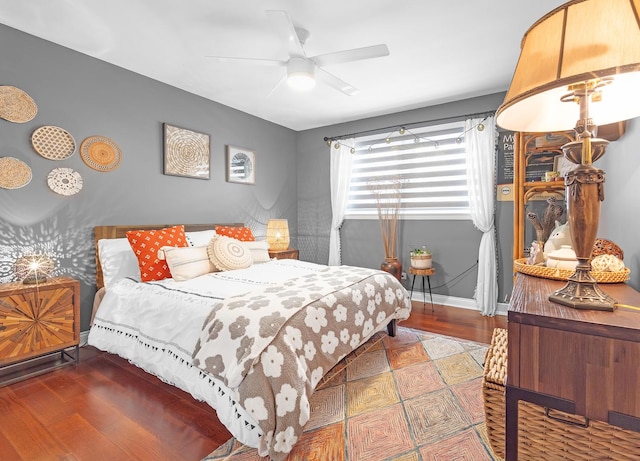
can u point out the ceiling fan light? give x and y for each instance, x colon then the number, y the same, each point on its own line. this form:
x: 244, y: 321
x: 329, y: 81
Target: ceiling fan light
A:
x: 300, y: 74
x: 301, y: 81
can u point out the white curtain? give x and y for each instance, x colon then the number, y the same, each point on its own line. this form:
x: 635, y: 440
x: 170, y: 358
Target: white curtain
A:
x: 341, y: 160
x: 481, y: 180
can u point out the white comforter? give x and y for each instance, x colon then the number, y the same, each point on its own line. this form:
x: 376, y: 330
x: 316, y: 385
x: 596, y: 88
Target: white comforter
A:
x: 156, y: 325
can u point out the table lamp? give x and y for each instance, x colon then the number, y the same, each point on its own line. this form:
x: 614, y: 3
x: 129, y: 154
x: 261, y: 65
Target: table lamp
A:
x: 278, y: 234
x: 34, y: 269
x: 580, y: 62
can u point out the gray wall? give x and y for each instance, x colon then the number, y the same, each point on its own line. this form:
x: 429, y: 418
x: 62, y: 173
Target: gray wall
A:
x: 454, y: 243
x: 86, y: 97
x: 620, y: 214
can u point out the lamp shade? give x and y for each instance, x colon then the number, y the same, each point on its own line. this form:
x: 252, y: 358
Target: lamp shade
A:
x: 34, y: 268
x: 577, y: 42
x: 278, y: 234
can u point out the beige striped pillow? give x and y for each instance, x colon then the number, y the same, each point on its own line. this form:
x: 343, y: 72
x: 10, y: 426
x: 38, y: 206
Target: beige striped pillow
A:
x: 187, y: 262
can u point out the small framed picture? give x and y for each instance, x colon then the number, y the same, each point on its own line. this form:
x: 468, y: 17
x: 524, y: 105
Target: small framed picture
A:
x: 538, y: 164
x: 241, y: 165
x: 562, y: 165
x: 186, y: 152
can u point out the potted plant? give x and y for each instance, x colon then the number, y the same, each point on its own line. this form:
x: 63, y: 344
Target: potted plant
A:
x: 421, y: 258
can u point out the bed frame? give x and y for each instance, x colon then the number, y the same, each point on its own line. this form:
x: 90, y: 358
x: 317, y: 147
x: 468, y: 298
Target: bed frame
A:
x: 112, y: 232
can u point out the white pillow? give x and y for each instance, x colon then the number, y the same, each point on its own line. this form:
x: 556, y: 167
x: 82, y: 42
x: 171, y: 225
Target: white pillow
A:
x: 117, y: 260
x: 259, y: 251
x: 200, y: 238
x: 227, y: 253
x: 186, y: 262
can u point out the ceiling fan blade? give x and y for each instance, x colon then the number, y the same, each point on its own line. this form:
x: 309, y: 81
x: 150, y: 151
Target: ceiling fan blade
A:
x: 284, y: 24
x: 266, y: 62
x: 335, y: 82
x: 277, y: 85
x: 357, y: 54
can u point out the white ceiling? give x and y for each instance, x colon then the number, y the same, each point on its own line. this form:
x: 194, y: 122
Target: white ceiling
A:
x: 440, y: 50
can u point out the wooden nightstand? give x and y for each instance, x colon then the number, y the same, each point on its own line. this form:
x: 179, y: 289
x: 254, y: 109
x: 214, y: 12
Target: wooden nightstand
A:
x: 289, y: 253
x: 36, y: 322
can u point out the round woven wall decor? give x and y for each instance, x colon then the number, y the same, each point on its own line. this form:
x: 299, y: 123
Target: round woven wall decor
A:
x: 64, y: 181
x: 53, y: 142
x: 100, y: 153
x: 16, y: 105
x: 14, y: 173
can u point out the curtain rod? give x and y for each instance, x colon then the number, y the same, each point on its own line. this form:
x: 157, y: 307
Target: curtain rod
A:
x: 407, y: 125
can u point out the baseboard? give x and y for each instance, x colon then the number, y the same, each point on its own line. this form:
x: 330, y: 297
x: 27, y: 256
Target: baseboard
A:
x: 84, y: 337
x: 464, y: 303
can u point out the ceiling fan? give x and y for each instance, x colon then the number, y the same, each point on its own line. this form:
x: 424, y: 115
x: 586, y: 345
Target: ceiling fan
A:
x: 302, y: 70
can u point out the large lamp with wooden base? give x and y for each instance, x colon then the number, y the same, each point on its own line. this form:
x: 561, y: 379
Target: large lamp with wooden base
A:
x: 580, y: 61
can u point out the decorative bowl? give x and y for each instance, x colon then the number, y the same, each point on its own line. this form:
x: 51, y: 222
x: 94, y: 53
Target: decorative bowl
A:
x: 564, y: 258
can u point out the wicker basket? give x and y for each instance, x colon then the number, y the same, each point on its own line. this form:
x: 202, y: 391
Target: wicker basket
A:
x: 520, y: 265
x: 552, y: 436
x: 493, y: 385
x: 541, y: 437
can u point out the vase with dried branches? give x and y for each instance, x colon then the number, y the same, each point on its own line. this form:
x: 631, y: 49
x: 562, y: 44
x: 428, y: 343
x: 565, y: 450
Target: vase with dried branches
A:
x: 388, y: 193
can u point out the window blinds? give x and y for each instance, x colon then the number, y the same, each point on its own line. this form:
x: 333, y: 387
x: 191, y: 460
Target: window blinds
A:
x: 428, y: 161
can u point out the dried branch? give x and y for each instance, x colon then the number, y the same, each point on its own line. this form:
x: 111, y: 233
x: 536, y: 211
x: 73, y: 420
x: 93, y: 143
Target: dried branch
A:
x: 388, y: 194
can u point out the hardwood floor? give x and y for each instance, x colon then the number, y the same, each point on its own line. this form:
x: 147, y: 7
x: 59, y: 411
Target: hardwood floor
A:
x: 107, y: 409
x: 451, y: 321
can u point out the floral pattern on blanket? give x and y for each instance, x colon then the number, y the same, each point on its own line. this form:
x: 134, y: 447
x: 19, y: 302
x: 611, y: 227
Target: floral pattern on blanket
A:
x: 284, y: 339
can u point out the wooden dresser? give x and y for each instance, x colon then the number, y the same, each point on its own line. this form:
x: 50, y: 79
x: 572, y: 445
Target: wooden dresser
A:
x: 37, y: 321
x: 581, y: 362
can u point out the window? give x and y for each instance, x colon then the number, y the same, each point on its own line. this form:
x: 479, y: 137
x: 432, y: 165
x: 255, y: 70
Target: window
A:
x: 428, y: 161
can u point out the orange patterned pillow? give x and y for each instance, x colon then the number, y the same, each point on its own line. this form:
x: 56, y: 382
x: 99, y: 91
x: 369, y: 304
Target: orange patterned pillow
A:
x: 145, y: 245
x: 243, y: 234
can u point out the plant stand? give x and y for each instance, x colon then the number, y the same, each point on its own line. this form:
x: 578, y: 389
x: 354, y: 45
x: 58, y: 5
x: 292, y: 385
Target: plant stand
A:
x: 424, y: 273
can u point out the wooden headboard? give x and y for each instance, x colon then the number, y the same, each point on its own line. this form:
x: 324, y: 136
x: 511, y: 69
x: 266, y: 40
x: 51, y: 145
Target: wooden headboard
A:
x: 114, y: 232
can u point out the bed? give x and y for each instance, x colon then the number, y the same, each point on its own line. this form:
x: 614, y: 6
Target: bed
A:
x: 253, y: 343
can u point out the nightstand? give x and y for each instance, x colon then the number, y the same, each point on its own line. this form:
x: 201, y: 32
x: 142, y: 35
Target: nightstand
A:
x: 289, y: 253
x: 38, y: 323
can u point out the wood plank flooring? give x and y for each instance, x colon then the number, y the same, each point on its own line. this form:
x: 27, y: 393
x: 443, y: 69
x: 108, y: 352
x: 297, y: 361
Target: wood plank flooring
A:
x: 107, y: 409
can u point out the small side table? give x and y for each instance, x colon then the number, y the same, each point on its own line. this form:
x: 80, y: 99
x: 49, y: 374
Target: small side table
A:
x: 290, y: 253
x: 424, y: 273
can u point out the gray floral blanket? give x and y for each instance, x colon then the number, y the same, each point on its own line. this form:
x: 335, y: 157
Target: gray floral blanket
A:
x: 272, y: 346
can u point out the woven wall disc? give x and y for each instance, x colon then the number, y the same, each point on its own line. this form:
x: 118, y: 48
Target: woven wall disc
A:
x: 64, y: 181
x: 16, y: 105
x: 53, y: 142
x: 100, y: 153
x: 14, y: 173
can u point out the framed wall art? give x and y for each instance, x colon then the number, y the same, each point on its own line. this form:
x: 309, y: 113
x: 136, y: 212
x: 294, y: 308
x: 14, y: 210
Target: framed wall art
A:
x: 241, y: 165
x: 562, y: 165
x: 186, y: 152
